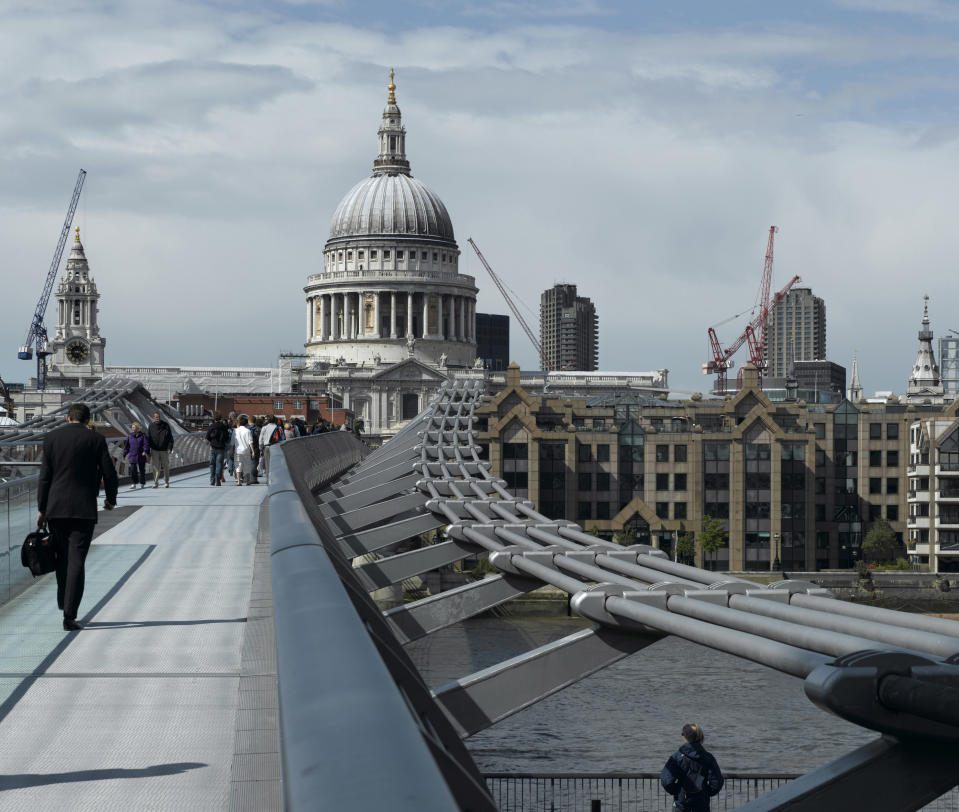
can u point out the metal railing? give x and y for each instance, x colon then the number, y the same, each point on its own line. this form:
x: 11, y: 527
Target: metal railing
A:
x: 18, y: 516
x: 633, y: 792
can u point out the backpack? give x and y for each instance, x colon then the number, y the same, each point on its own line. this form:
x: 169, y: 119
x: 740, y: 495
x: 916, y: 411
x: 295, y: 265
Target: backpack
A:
x: 276, y: 435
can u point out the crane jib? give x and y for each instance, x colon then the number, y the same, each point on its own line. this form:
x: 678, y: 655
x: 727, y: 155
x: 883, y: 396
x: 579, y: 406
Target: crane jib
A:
x: 36, y: 332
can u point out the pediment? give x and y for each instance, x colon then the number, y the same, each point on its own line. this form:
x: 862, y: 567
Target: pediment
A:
x: 409, y: 370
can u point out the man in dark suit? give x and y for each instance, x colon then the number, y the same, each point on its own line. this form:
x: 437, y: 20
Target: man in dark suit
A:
x: 75, y: 459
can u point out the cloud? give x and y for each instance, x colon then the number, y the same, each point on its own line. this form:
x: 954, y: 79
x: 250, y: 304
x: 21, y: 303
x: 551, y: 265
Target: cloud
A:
x: 646, y: 167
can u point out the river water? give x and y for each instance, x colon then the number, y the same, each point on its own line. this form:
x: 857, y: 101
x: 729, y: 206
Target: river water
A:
x: 628, y: 716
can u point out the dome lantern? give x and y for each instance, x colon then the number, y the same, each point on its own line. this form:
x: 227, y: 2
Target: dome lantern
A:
x: 392, y: 137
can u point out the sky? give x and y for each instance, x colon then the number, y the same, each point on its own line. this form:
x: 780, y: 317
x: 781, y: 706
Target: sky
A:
x: 640, y: 150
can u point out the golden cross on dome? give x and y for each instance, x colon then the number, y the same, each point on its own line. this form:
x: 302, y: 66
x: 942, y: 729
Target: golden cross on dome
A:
x: 392, y: 88
x: 77, y: 237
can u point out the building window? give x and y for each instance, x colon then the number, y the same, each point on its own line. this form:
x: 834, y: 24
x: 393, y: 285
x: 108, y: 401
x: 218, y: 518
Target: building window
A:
x: 892, y: 513
x: 892, y: 485
x: 662, y: 453
x: 278, y: 405
x: 820, y: 458
x: 423, y: 255
x: 892, y: 431
x: 602, y: 453
x: 602, y: 510
x: 662, y: 482
x: 679, y: 454
x: 875, y: 512
x: 875, y: 431
x: 314, y: 405
x: 662, y: 510
x: 875, y: 484
x: 373, y: 254
x: 349, y: 255
x: 584, y: 453
x: 584, y: 482
x: 875, y: 459
x: 820, y: 431
x: 602, y: 481
x: 679, y: 482
x: 515, y: 451
x: 584, y: 510
x: 435, y: 256
x: 679, y: 510
x: 820, y: 513
x: 297, y: 404
x: 386, y: 253
x: 820, y: 484
x: 892, y: 459
x: 360, y: 254
x: 399, y: 254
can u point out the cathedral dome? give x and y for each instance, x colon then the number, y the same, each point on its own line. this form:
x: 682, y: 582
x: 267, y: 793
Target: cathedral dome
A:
x: 391, y: 205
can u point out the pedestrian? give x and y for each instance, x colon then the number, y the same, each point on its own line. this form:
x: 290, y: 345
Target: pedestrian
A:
x: 691, y: 775
x: 243, y: 451
x: 137, y: 449
x: 288, y: 430
x: 228, y: 456
x: 217, y: 436
x: 270, y: 434
x: 255, y: 426
x: 161, y: 444
x: 74, y: 462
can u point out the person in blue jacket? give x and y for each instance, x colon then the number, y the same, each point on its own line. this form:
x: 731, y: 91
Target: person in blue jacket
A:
x: 691, y: 775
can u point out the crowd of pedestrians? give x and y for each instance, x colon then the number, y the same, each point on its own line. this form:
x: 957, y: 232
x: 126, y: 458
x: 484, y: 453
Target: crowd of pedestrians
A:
x: 240, y: 446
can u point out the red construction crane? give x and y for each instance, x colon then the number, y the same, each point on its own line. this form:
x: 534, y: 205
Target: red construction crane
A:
x: 755, y: 332
x: 512, y: 305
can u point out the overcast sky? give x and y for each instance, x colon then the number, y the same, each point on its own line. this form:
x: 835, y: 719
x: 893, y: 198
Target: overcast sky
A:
x: 638, y: 149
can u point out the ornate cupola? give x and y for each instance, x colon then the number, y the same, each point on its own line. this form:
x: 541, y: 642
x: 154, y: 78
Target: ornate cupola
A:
x: 925, y: 380
x: 392, y: 135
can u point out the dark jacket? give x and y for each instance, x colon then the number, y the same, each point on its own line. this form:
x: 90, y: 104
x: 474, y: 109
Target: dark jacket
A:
x: 160, y: 436
x: 136, y: 446
x: 218, y: 435
x: 692, y: 777
x: 75, y: 459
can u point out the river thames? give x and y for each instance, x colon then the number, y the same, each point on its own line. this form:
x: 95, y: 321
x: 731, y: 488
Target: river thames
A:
x: 627, y: 717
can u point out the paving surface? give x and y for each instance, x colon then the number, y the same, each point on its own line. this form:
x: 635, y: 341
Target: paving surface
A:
x: 167, y: 699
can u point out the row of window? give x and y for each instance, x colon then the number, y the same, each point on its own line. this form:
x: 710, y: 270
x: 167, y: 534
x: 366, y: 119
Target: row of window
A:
x: 387, y: 254
x: 875, y: 429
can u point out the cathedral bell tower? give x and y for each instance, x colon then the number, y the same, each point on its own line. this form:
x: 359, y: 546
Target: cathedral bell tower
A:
x: 76, y: 347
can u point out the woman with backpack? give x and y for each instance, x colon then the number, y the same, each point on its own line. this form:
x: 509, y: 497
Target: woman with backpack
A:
x: 136, y: 448
x: 691, y: 775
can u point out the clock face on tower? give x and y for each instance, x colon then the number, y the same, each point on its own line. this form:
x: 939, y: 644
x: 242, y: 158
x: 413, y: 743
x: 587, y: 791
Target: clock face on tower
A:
x: 77, y: 352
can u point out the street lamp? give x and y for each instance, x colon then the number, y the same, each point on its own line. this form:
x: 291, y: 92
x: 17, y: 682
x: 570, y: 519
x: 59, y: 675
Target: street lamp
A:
x: 777, y: 565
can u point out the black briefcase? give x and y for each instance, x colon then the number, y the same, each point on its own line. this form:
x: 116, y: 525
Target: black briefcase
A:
x: 37, y: 553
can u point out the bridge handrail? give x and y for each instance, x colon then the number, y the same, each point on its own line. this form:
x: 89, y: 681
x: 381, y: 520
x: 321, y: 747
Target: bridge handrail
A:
x: 347, y: 734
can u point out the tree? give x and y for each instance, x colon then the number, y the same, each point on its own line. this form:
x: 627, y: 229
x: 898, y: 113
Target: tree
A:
x: 880, y: 542
x: 686, y: 549
x: 713, y: 536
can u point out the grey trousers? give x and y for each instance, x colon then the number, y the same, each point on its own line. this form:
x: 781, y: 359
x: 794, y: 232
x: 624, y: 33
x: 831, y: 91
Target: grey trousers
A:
x: 160, y: 459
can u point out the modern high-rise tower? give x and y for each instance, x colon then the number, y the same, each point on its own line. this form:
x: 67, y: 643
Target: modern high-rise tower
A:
x: 568, y: 330
x: 796, y: 331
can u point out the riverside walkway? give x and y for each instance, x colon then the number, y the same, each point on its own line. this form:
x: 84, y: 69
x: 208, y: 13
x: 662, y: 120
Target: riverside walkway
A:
x: 167, y: 698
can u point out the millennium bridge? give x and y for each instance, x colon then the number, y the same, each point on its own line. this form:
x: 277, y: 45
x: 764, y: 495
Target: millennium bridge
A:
x: 233, y: 658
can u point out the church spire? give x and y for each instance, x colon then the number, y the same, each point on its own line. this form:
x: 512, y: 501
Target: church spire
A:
x: 925, y: 380
x: 855, y: 388
x: 392, y: 137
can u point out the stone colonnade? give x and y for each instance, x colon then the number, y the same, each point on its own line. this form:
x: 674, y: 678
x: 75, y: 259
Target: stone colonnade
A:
x: 349, y: 315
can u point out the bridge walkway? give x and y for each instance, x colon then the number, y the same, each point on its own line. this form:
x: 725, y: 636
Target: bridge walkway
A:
x: 166, y: 700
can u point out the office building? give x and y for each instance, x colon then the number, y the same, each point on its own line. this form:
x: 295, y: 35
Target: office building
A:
x: 492, y: 340
x: 796, y: 331
x: 568, y: 330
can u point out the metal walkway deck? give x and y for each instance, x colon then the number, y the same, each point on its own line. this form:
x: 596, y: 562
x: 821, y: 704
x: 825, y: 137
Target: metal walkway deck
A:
x: 167, y: 699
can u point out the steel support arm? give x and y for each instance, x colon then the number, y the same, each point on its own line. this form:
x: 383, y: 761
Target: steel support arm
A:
x: 484, y: 698
x: 379, y: 538
x: 388, y: 571
x: 415, y: 620
x: 882, y: 776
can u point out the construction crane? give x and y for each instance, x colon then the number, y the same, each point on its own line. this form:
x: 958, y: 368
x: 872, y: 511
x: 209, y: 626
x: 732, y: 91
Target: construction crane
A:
x: 36, y: 332
x: 512, y: 305
x: 755, y: 332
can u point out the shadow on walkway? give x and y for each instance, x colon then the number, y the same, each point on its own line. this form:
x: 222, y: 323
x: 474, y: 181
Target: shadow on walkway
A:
x: 136, y: 624
x: 24, y: 780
